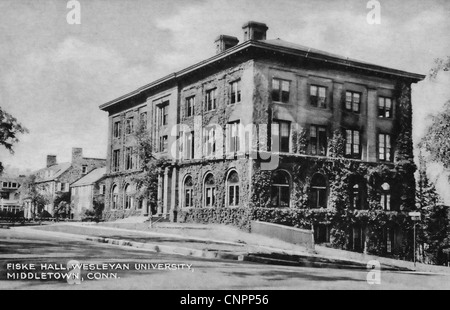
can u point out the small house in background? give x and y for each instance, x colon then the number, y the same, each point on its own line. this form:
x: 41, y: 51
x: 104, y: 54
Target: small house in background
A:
x: 9, y: 194
x: 85, y: 191
x: 55, y: 178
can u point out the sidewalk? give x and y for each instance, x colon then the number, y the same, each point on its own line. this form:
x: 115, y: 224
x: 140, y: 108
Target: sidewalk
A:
x: 221, y: 242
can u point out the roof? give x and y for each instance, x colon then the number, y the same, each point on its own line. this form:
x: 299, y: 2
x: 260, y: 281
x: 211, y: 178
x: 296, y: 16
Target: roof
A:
x: 90, y: 178
x: 276, y: 45
x: 51, y: 173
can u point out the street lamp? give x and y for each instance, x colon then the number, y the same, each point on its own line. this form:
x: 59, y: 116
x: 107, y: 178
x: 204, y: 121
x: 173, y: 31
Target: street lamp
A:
x: 415, y: 216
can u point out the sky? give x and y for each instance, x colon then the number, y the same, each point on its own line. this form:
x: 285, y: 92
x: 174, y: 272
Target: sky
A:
x: 54, y: 76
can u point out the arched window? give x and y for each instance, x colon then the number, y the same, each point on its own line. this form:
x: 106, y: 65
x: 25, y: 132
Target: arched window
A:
x: 386, y: 196
x: 318, y: 191
x: 114, y: 196
x: 128, y: 199
x: 357, y: 188
x: 355, y: 197
x: 280, y: 189
x: 233, y: 189
x: 188, y: 192
x: 209, y: 191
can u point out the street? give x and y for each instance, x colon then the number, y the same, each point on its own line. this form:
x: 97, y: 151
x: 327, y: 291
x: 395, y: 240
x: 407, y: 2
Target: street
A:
x: 160, y: 271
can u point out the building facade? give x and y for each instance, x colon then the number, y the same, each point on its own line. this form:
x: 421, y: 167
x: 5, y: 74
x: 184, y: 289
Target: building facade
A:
x: 10, y: 194
x: 55, y: 178
x: 270, y: 124
x: 86, y: 191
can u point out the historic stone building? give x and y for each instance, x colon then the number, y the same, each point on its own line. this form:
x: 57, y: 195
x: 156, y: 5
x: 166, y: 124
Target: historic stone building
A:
x: 276, y: 125
x: 56, y: 178
x: 85, y: 191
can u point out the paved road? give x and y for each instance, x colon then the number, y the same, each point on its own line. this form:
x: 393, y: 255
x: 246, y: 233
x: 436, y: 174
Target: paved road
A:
x: 26, y: 248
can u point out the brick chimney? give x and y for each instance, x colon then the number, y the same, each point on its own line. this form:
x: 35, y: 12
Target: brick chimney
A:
x: 224, y: 42
x: 77, y: 154
x: 255, y: 31
x: 51, y: 160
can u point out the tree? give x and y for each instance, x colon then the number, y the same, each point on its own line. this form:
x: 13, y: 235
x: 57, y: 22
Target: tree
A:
x: 10, y: 128
x: 434, y: 228
x: 440, y: 65
x: 437, y: 138
x: 151, y: 167
x: 97, y: 210
x: 37, y: 200
x: 62, y: 205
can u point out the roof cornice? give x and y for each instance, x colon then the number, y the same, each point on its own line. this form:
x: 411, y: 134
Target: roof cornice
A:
x: 270, y: 47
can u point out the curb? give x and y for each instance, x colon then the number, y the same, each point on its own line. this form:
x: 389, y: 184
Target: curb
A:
x: 312, y: 264
x: 166, y: 249
x: 281, y: 260
x: 151, y: 247
x: 157, y: 234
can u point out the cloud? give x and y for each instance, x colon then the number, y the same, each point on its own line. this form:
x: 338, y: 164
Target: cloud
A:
x: 56, y: 95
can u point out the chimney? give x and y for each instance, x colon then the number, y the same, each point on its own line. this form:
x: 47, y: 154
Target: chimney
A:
x: 224, y: 42
x: 51, y: 160
x: 77, y: 154
x: 255, y: 31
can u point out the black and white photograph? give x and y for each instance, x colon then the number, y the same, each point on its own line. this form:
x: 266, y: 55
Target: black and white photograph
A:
x: 224, y: 149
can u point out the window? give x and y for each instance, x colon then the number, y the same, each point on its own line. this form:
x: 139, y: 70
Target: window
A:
x: 210, y: 141
x: 129, y: 129
x: 84, y: 169
x: 384, y: 107
x: 280, y: 190
x: 210, y: 100
x: 114, y: 197
x: 352, y: 144
x: 386, y: 196
x: 128, y: 199
x: 281, y: 134
x: 116, y: 160
x: 143, y: 120
x: 280, y: 90
x: 384, y: 147
x: 4, y: 195
x: 318, y: 140
x: 102, y: 189
x: 233, y: 189
x: 235, y: 92
x: 189, y: 145
x: 233, y: 137
x: 190, y: 104
x: 318, y: 191
x: 63, y: 187
x: 318, y: 96
x: 117, y: 129
x: 129, y: 158
x: 356, y: 195
x: 163, y: 143
x: 188, y: 192
x: 209, y: 191
x: 163, y: 115
x: 352, y: 101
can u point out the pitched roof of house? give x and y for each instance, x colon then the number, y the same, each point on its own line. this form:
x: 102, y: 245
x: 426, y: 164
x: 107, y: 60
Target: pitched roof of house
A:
x: 90, y: 178
x: 51, y: 173
x: 276, y: 45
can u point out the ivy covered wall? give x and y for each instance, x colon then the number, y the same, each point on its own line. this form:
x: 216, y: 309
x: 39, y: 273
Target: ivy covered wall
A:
x: 341, y: 175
